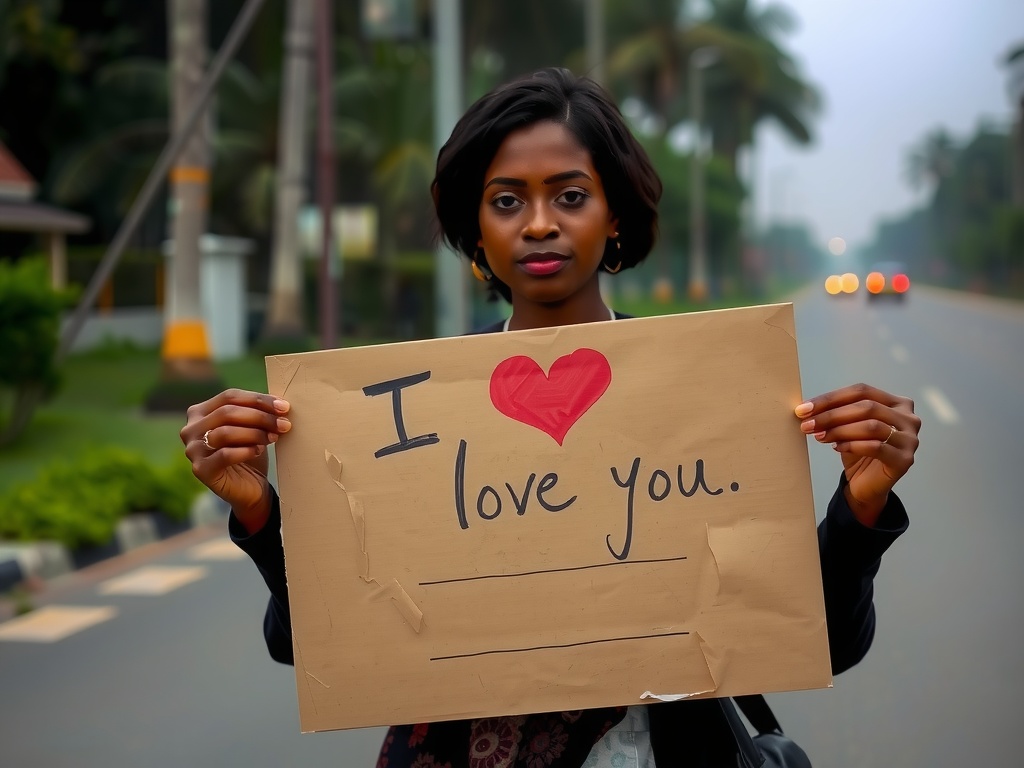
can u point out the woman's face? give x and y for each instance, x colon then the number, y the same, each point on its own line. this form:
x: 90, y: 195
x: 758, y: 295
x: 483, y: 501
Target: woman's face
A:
x: 544, y: 219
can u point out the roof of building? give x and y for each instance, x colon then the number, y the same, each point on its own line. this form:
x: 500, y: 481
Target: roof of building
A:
x: 19, y: 212
x: 15, y: 181
x: 30, y: 216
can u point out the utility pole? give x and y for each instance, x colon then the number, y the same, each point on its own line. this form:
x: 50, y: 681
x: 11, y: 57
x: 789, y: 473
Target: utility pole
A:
x: 595, y: 41
x: 325, y: 172
x: 451, y: 293
x: 186, y: 350
x: 284, y: 317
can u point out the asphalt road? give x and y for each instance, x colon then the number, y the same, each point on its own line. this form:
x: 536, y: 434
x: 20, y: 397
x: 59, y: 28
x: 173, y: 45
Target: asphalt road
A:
x: 942, y: 683
x: 181, y: 677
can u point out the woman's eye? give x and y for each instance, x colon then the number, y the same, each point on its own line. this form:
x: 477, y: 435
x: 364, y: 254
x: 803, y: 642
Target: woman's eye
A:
x: 505, y: 202
x: 573, y: 197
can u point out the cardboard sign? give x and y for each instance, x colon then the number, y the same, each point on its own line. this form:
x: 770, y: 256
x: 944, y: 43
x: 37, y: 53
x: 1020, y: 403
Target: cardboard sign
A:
x: 546, y: 520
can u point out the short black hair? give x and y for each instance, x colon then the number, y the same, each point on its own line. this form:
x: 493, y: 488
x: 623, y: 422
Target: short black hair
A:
x: 631, y: 185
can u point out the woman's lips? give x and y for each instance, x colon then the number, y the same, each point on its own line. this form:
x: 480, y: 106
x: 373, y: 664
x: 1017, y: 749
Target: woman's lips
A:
x: 543, y: 263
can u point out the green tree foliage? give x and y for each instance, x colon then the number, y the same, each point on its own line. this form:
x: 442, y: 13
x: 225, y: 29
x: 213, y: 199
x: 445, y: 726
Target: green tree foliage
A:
x: 968, y: 234
x: 130, y: 100
x: 31, y: 33
x: 771, y: 89
x: 931, y: 161
x: 723, y: 200
x: 79, y: 503
x: 790, y: 252
x: 50, y: 51
x: 29, y: 333
x: 752, y: 80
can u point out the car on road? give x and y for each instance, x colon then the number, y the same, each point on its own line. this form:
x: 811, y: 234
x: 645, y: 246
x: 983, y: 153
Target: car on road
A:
x: 887, y: 280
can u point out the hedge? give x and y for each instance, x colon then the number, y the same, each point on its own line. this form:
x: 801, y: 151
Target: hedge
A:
x: 79, y: 503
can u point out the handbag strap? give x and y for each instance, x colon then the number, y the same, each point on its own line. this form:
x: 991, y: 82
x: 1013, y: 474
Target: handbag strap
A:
x: 749, y: 756
x: 758, y: 713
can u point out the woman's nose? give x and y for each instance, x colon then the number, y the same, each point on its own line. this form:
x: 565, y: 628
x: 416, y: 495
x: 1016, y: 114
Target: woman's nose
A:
x: 541, y: 224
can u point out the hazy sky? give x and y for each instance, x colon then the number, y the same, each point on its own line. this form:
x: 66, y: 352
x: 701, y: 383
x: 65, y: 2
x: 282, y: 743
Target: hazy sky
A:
x: 889, y: 71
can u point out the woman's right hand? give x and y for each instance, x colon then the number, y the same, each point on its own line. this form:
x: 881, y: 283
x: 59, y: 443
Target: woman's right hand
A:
x: 226, y: 440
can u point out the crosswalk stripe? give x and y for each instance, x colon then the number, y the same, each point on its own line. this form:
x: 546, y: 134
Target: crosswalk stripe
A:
x: 152, y: 580
x: 53, y: 623
x: 216, y: 549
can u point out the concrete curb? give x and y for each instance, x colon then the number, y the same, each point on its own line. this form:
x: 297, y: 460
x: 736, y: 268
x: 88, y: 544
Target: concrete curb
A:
x: 21, y: 561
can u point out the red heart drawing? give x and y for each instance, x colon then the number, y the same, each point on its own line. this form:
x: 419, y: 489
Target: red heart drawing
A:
x: 551, y: 403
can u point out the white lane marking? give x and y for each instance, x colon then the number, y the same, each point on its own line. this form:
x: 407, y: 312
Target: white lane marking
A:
x: 899, y: 354
x: 941, y: 405
x: 883, y: 332
x: 217, y: 549
x: 152, y: 580
x: 53, y: 623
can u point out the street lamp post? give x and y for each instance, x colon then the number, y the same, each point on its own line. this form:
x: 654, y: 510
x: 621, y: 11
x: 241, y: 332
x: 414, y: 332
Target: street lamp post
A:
x: 698, y: 279
x: 325, y: 175
x: 594, y: 31
x: 451, y: 290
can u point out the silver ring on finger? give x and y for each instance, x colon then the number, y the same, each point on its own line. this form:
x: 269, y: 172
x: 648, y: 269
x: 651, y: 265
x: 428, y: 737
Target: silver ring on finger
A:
x: 892, y: 431
x: 206, y: 440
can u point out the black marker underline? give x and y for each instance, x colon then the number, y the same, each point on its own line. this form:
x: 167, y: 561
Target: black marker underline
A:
x: 549, y: 570
x: 554, y: 647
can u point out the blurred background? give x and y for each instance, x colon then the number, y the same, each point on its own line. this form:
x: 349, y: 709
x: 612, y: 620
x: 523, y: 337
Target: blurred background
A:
x: 189, y: 185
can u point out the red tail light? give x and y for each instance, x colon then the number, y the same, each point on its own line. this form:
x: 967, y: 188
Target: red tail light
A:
x: 900, y: 283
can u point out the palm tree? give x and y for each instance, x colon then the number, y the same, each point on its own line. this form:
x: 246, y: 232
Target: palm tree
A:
x: 932, y: 160
x: 651, y: 46
x: 652, y: 62
x: 777, y: 92
x: 131, y: 102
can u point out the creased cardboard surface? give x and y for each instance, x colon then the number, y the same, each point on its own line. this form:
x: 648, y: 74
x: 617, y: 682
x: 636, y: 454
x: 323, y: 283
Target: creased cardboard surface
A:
x: 549, y: 520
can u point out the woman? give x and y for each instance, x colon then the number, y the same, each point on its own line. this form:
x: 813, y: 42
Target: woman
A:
x: 542, y: 186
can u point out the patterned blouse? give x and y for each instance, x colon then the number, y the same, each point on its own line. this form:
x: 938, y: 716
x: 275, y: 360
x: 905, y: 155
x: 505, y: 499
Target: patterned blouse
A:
x: 528, y: 741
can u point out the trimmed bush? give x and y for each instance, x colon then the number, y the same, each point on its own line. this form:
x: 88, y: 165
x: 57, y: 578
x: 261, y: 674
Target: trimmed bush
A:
x: 79, y: 504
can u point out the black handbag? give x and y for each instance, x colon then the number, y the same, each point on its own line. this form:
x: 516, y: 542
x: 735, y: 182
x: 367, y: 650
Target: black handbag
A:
x: 770, y: 748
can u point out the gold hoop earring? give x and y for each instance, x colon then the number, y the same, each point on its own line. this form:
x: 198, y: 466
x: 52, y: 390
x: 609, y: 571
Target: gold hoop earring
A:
x: 618, y: 248
x: 478, y: 273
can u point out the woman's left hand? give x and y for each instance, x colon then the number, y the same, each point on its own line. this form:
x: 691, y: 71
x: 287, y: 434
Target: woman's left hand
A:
x: 876, y: 434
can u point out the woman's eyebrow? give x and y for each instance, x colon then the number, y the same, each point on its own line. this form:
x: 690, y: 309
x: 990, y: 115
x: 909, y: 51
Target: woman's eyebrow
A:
x: 505, y: 181
x: 575, y: 174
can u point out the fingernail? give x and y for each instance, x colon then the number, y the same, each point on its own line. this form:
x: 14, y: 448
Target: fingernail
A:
x: 807, y: 426
x: 804, y: 409
x: 272, y: 437
x: 819, y: 436
x: 281, y: 406
x: 283, y: 425
x: 835, y: 446
x: 259, y: 450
